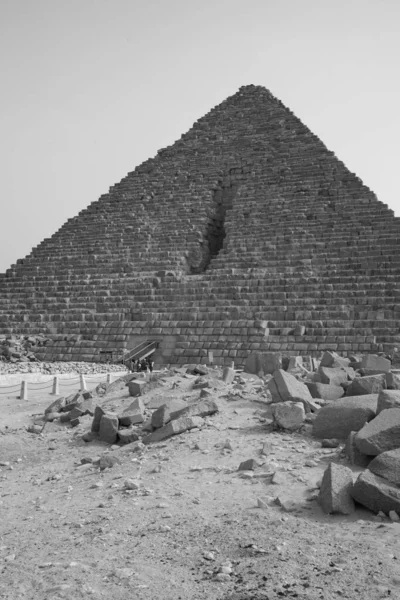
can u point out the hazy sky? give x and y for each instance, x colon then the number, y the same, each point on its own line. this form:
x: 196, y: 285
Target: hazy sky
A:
x: 92, y: 88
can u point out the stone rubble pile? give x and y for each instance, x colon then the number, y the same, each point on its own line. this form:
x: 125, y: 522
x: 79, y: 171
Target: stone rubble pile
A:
x: 21, y: 348
x: 356, y: 399
x: 350, y: 403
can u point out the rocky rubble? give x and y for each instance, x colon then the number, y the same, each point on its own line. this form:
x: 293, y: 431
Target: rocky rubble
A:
x: 20, y: 348
x: 347, y: 420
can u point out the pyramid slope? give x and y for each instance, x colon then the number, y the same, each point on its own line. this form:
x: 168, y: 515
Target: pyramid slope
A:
x: 246, y: 234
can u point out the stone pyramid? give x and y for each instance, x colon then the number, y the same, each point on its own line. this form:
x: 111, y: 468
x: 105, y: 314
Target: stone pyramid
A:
x: 245, y: 235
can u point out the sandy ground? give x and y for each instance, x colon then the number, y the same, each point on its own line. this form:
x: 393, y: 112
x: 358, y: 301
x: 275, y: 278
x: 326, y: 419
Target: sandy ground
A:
x: 194, y: 528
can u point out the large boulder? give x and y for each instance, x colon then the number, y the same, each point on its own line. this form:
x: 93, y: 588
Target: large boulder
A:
x: 288, y: 415
x: 332, y: 360
x: 354, y: 456
x: 376, y: 493
x: 330, y: 375
x: 162, y: 415
x: 285, y: 387
x: 373, y: 362
x: 372, y: 384
x: 338, y: 419
x: 137, y: 387
x: 98, y: 413
x: 134, y: 413
x: 266, y: 363
x: 381, y: 434
x: 173, y: 428
x: 335, y: 492
x: 56, y: 406
x: 108, y: 428
x: 392, y: 381
x: 388, y: 399
x: 387, y: 465
x: 203, y: 408
x: 326, y: 391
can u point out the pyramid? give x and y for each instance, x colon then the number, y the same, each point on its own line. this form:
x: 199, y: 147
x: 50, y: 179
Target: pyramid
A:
x: 246, y: 235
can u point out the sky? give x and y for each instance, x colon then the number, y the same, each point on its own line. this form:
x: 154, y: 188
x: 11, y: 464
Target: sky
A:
x: 92, y: 88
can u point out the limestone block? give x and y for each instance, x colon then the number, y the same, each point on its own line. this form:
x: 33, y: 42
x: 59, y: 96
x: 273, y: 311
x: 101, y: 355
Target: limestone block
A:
x: 203, y: 408
x: 381, y: 434
x: 388, y: 399
x: 332, y: 376
x: 55, y: 406
x: 98, y: 413
x: 376, y: 363
x: 137, y: 387
x: 127, y: 436
x: 335, y: 492
x: 376, y: 493
x: 392, y: 381
x: 228, y: 375
x: 326, y: 391
x: 285, y: 387
x: 134, y: 413
x: 162, y: 415
x: 288, y: 415
x: 333, y: 360
x: 108, y: 428
x: 353, y: 454
x: 387, y: 465
x: 265, y: 362
x: 173, y: 428
x: 339, y: 418
x: 372, y: 384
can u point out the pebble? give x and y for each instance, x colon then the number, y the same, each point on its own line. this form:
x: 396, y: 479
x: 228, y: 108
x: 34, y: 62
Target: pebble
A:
x: 209, y: 555
x: 131, y: 484
x: 261, y: 503
x: 123, y: 573
x: 9, y: 558
x: 222, y: 577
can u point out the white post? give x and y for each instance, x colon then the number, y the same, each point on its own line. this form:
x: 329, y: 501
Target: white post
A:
x: 83, y: 383
x: 210, y: 357
x: 56, y: 386
x: 108, y: 378
x: 24, y: 390
x: 233, y: 365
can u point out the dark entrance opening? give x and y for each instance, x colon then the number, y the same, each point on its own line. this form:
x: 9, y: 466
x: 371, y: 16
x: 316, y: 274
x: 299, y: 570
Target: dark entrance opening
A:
x: 215, y: 233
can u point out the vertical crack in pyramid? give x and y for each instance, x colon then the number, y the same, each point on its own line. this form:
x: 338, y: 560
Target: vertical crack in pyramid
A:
x: 246, y: 234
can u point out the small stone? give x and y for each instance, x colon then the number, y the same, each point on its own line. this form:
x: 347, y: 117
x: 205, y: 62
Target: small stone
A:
x: 248, y: 465
x: 222, y: 577
x: 108, y: 461
x: 279, y: 478
x: 287, y: 504
x: 393, y: 516
x: 131, y: 484
x: 127, y: 436
x: 330, y: 443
